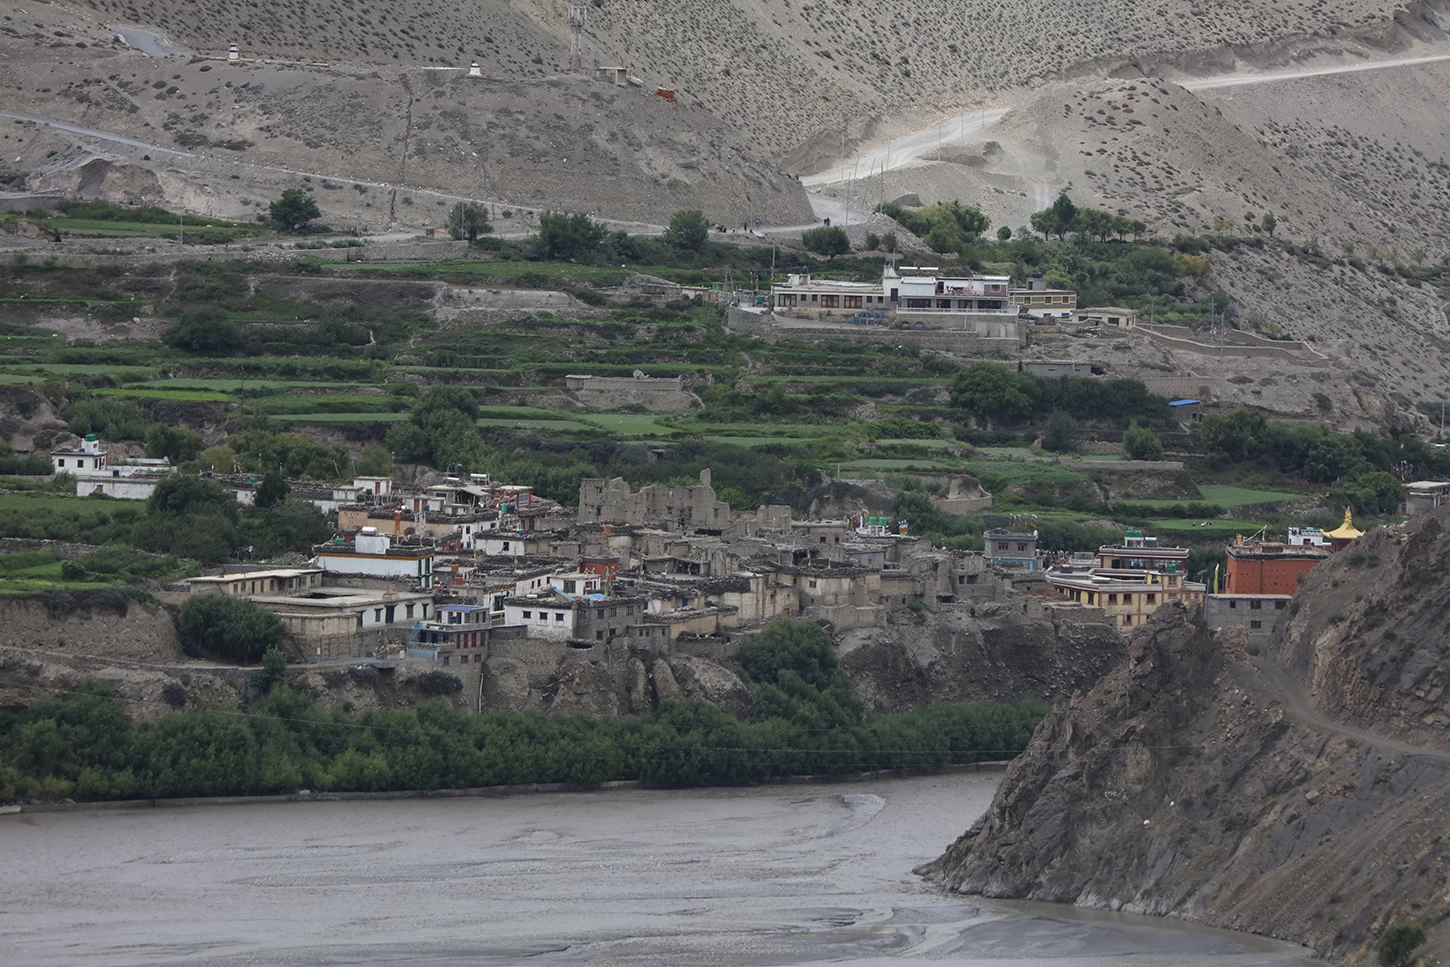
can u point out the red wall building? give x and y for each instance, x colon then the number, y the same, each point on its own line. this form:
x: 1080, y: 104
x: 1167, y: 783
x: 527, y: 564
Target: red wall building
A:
x: 1269, y: 568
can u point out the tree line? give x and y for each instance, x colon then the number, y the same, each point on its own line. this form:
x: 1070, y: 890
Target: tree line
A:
x: 807, y: 720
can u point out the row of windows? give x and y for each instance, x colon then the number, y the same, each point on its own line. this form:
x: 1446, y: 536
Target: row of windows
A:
x: 1128, y: 598
x: 1259, y: 605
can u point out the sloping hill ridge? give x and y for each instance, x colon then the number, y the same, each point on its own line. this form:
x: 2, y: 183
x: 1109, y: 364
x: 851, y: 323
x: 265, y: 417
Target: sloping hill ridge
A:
x: 1301, y: 794
x: 792, y: 73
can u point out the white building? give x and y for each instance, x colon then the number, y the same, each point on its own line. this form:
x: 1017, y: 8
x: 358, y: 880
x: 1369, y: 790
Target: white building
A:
x: 548, y: 616
x: 89, y: 457
x: 924, y: 288
x: 122, y: 481
x: 802, y: 295
x: 372, y: 555
x: 577, y: 582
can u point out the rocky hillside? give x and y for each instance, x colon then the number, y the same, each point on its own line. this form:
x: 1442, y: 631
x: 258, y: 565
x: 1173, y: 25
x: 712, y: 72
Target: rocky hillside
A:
x: 984, y: 651
x: 1304, y: 800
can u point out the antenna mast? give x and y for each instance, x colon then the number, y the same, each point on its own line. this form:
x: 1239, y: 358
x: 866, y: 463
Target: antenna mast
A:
x: 578, y: 16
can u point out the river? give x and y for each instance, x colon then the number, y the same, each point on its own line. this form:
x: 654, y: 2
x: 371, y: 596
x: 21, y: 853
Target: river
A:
x: 778, y: 875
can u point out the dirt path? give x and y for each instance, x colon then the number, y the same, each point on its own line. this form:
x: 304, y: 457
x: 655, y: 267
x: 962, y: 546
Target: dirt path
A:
x: 908, y: 151
x: 1300, y: 705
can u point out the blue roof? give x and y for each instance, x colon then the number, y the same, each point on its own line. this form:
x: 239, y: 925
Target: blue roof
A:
x: 1182, y: 402
x: 460, y: 607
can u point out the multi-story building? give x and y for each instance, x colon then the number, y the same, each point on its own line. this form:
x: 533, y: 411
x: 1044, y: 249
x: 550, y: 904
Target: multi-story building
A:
x: 1041, y: 302
x: 372, y: 554
x: 1011, y: 548
x: 1268, y: 567
x: 1131, y: 580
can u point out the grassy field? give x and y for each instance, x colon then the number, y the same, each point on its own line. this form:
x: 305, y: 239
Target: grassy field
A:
x: 19, y: 379
x: 340, y: 417
x: 34, y: 501
x: 1228, y: 495
x: 82, y: 369
x: 167, y: 394
x: 627, y: 424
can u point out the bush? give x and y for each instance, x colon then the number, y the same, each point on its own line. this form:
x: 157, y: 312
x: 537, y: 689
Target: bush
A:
x: 1060, y: 436
x: 203, y: 330
x: 827, y: 241
x: 1396, y: 943
x: 234, y: 628
x: 438, y: 683
x: 1140, y: 443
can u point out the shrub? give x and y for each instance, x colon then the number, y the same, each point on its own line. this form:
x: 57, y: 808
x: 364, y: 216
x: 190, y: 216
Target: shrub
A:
x: 827, y: 241
x: 1140, y: 443
x: 203, y: 330
x: 438, y: 683
x: 231, y: 627
x: 1396, y: 943
x: 292, y: 211
x: 1060, y: 436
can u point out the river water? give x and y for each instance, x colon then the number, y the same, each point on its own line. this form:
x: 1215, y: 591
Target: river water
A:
x: 698, y: 878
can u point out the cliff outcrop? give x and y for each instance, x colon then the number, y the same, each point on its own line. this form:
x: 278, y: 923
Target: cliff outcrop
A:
x: 982, y: 651
x: 1301, y: 793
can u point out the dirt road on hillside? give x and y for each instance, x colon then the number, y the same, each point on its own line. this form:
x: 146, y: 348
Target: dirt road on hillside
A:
x: 912, y: 149
x: 1300, y: 705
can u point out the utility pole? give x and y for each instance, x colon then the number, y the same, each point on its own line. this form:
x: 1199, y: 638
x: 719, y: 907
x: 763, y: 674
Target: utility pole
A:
x: 181, y: 220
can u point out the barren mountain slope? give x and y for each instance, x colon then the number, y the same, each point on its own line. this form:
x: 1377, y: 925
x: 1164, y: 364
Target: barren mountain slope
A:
x: 1305, y: 802
x: 792, y: 72
x: 561, y: 142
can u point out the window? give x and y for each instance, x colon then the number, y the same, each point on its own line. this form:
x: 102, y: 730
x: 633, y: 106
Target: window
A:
x: 1021, y: 547
x: 445, y: 659
x: 1256, y: 605
x: 505, y: 545
x: 813, y: 582
x: 629, y: 610
x: 1256, y: 624
x: 528, y: 615
x: 815, y: 298
x: 1280, y: 605
x: 569, y: 587
x: 1112, y: 599
x: 1127, y: 619
x: 599, y: 613
x: 852, y: 302
x: 599, y: 635
x: 377, y: 614
x: 1233, y: 604
x: 1152, y: 598
x: 614, y: 612
x: 558, y: 617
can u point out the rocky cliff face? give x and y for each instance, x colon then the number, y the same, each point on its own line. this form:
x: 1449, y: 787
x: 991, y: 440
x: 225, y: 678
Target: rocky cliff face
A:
x: 973, y: 652
x: 1197, y: 781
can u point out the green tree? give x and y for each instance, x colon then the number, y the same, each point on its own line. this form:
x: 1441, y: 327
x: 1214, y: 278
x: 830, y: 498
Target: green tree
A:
x: 1063, y: 212
x: 1397, y: 942
x: 109, y: 419
x: 990, y: 391
x: 374, y: 461
x: 183, y: 494
x: 272, y: 673
x: 1268, y: 223
x: 829, y: 241
x: 1141, y: 443
x: 943, y: 238
x: 234, y: 628
x: 888, y: 241
x: 175, y: 443
x: 688, y: 230
x: 568, y: 237
x: 292, y: 211
x: 1060, y: 434
x: 203, y: 330
x: 1004, y: 234
x: 873, y: 241
x: 468, y: 219
x: 272, y: 490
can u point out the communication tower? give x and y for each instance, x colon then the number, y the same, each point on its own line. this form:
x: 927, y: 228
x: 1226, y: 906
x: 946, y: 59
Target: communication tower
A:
x: 578, y: 16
